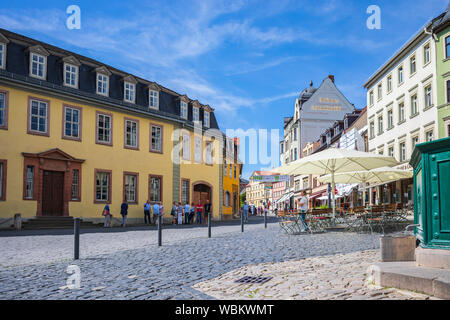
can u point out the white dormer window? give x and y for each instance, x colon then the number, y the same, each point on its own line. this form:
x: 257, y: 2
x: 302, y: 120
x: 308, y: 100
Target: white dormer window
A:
x: 129, y: 92
x: 38, y: 65
x: 195, y: 114
x: 154, y: 99
x: 2, y: 55
x: 206, y: 120
x: 102, y: 84
x: 183, y: 110
x: 70, y: 75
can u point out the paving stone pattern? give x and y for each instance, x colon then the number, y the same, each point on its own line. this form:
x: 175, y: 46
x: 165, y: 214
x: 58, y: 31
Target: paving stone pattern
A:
x: 130, y: 265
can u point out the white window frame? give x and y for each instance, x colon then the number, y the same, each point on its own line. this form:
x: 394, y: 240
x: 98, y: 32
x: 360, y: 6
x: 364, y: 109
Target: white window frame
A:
x: 206, y: 119
x: 401, y: 75
x: 371, y: 98
x: 72, y: 74
x: 183, y: 110
x: 380, y: 124
x: 402, y: 156
x: 401, y: 112
x: 38, y: 63
x: 209, y: 153
x: 39, y: 116
x: 198, y: 141
x: 389, y: 83
x: 129, y: 122
x: 105, y: 83
x: 104, y: 128
x: 104, y: 189
x: 129, y: 89
x: 195, y: 114
x: 428, y: 102
x: 426, y: 54
x: 29, y: 183
x: 414, y: 104
x: 2, y: 55
x: 72, y: 122
x: 380, y: 91
x: 130, y: 188
x: 159, y: 141
x: 186, y: 146
x: 390, y: 118
x: 412, y: 62
x: 153, y: 100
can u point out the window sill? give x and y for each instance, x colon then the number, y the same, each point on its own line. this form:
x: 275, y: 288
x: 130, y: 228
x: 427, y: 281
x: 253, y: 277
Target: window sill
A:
x: 428, y: 108
x: 412, y: 74
x: 390, y: 128
x: 108, y: 144
x: 426, y: 64
x: 400, y: 84
x: 401, y: 122
x: 414, y: 115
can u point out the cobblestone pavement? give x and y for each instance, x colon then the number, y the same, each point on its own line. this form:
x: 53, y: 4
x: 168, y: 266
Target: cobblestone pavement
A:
x: 336, y: 277
x: 146, y: 271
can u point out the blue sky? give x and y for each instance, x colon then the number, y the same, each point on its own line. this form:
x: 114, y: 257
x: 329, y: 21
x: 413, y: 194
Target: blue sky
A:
x: 247, y: 59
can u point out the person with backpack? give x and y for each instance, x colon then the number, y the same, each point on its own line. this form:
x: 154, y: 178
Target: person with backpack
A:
x: 107, y: 214
x: 124, y: 213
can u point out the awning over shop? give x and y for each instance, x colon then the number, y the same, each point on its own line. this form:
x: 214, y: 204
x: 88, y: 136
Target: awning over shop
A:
x: 285, y: 197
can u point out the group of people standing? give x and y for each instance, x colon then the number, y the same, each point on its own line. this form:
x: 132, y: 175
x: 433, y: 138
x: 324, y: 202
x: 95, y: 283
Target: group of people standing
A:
x: 153, y: 211
x: 198, y: 211
x: 157, y: 208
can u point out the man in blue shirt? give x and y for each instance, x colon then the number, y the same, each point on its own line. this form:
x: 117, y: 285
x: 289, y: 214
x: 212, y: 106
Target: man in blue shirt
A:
x: 186, y: 213
x: 155, y: 211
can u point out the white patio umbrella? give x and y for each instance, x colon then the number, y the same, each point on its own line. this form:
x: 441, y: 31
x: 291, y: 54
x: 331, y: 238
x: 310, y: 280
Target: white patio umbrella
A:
x: 332, y: 161
x: 378, y: 175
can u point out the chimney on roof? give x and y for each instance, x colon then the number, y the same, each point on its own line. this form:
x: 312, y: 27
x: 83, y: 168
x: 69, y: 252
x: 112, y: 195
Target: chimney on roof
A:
x: 331, y: 77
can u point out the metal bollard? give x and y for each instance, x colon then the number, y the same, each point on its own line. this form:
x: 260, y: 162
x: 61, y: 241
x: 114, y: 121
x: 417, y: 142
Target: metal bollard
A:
x: 265, y: 219
x: 242, y: 221
x: 159, y: 230
x: 209, y: 224
x: 76, y: 232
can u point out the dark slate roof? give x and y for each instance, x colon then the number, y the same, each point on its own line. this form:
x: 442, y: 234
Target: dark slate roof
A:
x: 17, y: 69
x: 441, y: 21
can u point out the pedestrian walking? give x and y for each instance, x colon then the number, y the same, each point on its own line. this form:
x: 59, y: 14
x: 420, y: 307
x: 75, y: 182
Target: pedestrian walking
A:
x: 147, y: 208
x: 124, y: 213
x: 207, y: 210
x: 192, y: 213
x: 245, y: 211
x: 173, y: 212
x: 107, y: 214
x: 303, y: 206
x: 187, y: 210
x: 156, y: 211
x: 199, y: 210
x: 180, y: 213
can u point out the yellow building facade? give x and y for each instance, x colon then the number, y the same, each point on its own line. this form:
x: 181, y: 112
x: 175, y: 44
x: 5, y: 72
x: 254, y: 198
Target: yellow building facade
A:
x: 232, y: 169
x: 122, y: 151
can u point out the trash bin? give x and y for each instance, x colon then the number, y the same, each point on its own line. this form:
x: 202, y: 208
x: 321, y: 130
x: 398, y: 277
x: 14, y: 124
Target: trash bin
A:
x: 399, y: 247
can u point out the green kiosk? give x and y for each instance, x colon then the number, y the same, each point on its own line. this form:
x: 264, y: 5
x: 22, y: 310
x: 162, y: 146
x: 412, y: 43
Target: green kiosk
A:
x: 431, y: 163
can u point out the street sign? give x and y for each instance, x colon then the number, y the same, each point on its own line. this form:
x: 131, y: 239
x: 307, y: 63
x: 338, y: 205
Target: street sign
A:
x: 271, y: 178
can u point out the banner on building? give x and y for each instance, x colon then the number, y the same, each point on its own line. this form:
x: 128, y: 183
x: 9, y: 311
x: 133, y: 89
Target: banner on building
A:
x: 270, y: 178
